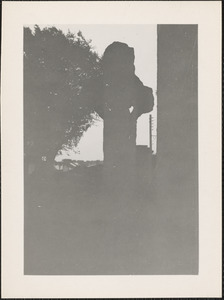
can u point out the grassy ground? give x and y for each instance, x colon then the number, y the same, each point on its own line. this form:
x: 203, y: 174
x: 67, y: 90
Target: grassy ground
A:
x: 91, y: 221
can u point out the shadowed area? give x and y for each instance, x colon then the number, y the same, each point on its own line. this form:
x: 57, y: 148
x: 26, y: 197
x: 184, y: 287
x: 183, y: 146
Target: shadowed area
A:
x: 78, y: 223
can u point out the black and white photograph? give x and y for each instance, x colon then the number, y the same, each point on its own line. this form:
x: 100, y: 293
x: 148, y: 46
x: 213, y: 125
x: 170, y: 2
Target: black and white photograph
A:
x: 110, y: 117
x: 99, y: 198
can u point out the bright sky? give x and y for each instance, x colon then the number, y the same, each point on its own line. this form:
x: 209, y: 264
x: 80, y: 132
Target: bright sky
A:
x: 143, y: 38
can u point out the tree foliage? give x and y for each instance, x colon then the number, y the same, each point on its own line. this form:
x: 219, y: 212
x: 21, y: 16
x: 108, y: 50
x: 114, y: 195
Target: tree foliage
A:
x: 56, y: 68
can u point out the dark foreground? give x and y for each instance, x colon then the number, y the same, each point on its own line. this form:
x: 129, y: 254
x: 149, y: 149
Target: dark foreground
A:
x: 88, y: 222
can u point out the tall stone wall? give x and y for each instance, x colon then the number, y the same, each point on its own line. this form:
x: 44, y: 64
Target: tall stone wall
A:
x: 177, y: 159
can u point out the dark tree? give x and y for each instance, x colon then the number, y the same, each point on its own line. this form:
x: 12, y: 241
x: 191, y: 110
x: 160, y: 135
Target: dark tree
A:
x: 56, y: 67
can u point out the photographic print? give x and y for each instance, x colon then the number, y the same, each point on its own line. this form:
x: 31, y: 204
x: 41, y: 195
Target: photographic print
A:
x: 99, y: 198
x: 111, y: 134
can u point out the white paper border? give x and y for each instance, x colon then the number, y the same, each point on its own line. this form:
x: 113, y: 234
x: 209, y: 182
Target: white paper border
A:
x: 207, y: 14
